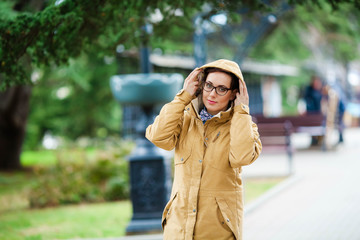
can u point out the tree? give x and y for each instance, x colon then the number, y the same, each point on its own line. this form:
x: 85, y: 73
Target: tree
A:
x: 322, y: 36
x: 73, y: 101
x: 41, y: 33
x: 60, y: 29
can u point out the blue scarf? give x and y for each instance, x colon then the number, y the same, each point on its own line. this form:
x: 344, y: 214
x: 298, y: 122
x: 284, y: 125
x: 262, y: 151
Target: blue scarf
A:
x: 204, y: 115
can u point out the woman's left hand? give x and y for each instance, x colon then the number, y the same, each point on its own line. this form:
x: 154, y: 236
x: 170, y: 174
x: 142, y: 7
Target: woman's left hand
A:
x: 242, y: 97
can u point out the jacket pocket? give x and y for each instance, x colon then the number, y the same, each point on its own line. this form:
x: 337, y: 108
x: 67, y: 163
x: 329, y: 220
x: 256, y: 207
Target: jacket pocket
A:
x: 182, y: 156
x: 228, y: 216
x: 167, y: 210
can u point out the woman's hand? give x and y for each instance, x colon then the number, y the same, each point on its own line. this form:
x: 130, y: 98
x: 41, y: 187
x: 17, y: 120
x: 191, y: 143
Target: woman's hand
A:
x: 242, y: 97
x: 191, y: 83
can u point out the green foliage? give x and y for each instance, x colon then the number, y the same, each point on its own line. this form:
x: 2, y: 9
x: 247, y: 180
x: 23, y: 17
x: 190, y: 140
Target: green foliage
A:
x: 116, y: 188
x: 335, y: 4
x: 338, y: 33
x: 74, y: 101
x: 339, y: 30
x: 283, y: 45
x: 5, y: 9
x: 332, y: 27
x: 77, y: 178
x: 62, y: 31
x: 179, y: 39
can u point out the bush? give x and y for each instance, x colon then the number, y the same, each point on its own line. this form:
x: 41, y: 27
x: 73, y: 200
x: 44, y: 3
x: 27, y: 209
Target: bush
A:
x: 78, y: 178
x: 117, y: 188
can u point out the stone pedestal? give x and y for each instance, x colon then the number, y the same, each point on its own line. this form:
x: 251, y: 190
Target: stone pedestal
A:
x: 150, y: 179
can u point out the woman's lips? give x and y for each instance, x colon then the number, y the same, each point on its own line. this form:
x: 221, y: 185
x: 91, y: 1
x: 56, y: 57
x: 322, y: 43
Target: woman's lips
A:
x: 211, y: 102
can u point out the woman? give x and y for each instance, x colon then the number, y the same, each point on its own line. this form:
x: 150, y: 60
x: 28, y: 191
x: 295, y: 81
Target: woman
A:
x: 213, y: 136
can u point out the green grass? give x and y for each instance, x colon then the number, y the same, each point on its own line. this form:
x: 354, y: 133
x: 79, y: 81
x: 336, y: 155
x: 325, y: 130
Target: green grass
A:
x: 98, y: 220
x: 49, y: 157
x: 13, y: 190
x: 43, y: 158
x: 81, y: 221
x: 253, y: 188
x: 17, y: 221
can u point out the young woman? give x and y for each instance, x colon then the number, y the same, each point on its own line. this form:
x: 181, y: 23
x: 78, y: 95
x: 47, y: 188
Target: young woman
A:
x: 209, y: 125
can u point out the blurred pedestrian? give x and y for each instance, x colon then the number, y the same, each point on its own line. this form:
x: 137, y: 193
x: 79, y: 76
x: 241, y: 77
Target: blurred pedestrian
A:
x: 340, y: 119
x: 313, y: 98
x: 313, y: 95
x: 209, y: 125
x: 341, y: 109
x: 334, y: 104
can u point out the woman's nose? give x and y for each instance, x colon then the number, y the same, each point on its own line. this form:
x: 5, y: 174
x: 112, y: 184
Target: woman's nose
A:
x: 213, y: 92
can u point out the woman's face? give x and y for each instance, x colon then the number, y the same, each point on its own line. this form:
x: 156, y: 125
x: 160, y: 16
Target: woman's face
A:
x: 213, y: 102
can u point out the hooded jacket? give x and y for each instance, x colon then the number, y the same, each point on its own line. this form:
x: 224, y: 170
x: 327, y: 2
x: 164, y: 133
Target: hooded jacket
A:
x: 207, y: 195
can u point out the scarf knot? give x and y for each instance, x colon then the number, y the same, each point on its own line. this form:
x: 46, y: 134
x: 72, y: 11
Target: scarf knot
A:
x: 204, y: 115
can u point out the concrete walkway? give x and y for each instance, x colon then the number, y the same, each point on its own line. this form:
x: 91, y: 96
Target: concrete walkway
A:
x: 321, y: 200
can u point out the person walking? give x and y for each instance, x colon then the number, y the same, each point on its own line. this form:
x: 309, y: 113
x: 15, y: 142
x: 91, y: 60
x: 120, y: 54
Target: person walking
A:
x: 209, y: 125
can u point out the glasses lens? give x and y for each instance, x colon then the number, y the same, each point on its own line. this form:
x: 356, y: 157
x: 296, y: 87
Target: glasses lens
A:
x: 208, y: 87
x: 221, y: 91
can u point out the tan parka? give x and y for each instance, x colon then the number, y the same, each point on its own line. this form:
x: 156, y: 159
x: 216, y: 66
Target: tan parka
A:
x: 206, y: 200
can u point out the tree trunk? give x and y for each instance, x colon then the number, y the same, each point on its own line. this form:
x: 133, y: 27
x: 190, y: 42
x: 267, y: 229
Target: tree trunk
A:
x: 14, y: 109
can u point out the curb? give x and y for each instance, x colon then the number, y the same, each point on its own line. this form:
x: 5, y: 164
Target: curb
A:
x: 271, y: 193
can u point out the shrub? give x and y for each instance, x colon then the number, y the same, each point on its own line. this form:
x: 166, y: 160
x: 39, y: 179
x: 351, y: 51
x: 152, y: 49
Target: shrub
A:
x: 117, y: 188
x: 77, y: 178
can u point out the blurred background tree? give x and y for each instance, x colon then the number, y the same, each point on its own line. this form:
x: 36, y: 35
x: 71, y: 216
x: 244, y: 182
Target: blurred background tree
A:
x: 67, y: 50
x: 73, y: 101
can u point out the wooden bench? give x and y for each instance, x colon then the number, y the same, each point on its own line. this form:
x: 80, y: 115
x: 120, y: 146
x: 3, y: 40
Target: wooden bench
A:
x: 276, y: 137
x: 312, y: 124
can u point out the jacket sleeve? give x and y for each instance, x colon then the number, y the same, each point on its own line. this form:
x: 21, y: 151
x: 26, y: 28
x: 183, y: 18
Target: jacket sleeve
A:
x: 165, y: 130
x: 245, y: 144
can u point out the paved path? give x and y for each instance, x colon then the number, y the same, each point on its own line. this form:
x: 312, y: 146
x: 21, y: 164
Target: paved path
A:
x: 321, y: 201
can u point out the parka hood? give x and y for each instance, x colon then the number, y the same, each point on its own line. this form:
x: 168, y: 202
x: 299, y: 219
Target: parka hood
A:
x: 226, y: 65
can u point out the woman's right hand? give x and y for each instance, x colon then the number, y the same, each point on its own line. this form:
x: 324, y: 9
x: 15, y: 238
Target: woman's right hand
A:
x: 191, y: 83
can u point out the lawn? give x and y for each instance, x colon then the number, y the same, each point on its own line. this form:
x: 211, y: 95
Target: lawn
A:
x: 75, y: 221
x: 255, y: 187
x: 45, y: 157
x: 18, y: 221
x: 108, y: 219
x: 48, y: 157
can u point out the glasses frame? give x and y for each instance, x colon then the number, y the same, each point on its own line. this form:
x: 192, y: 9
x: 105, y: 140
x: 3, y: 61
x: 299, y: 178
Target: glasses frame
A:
x: 216, y: 88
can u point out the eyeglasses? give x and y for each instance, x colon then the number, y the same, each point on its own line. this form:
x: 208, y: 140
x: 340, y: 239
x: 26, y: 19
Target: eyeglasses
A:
x: 220, y: 90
